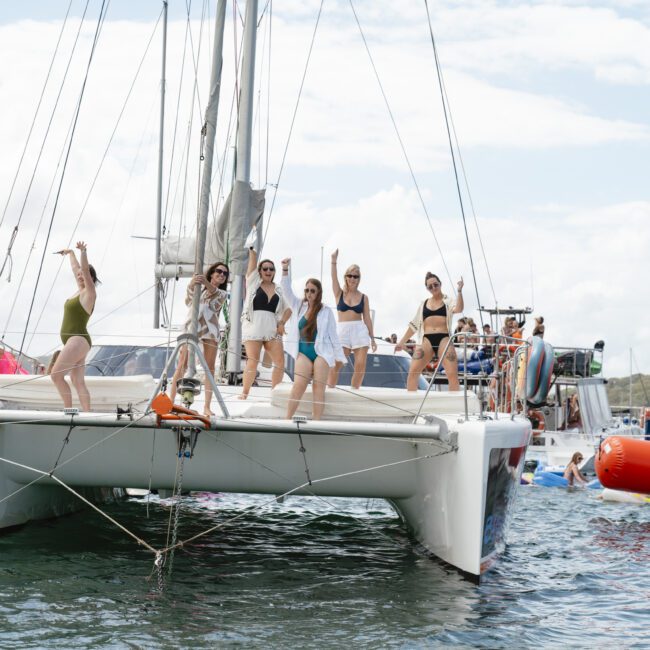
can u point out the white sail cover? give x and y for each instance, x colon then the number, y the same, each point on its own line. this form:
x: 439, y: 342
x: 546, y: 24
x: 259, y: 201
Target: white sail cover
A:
x: 226, y: 235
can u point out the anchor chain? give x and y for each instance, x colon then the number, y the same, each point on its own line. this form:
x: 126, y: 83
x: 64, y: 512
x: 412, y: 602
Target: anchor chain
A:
x: 183, y: 453
x: 159, y: 564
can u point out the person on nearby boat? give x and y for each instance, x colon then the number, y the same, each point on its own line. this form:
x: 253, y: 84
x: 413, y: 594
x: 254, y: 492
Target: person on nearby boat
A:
x: 74, y: 335
x: 213, y: 297
x: 431, y: 325
x: 462, y: 322
x: 264, y: 317
x: 572, y: 472
x: 354, y: 327
x: 538, y: 330
x: 312, y: 340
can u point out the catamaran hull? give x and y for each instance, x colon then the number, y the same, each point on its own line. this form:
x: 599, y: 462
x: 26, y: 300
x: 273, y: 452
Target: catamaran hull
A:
x: 454, y: 495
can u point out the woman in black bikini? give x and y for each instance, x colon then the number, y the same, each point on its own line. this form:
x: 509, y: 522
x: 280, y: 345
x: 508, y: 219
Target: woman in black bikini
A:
x: 431, y: 325
x: 355, y: 328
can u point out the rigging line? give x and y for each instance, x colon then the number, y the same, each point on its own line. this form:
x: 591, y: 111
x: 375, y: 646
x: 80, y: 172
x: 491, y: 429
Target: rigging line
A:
x: 44, y: 140
x: 38, y: 106
x: 274, y: 499
x: 36, y: 233
x: 310, y: 492
x: 82, y: 498
x: 153, y: 455
x: 293, y: 121
x: 99, y: 320
x: 268, y: 99
x: 469, y: 194
x: 178, y: 104
x: 453, y: 156
x: 117, y: 123
x: 101, y: 162
x: 257, y: 112
x: 127, y: 185
x: 65, y: 462
x: 645, y: 392
x: 401, y: 143
x: 100, y: 22
x: 195, y: 60
x: 221, y: 164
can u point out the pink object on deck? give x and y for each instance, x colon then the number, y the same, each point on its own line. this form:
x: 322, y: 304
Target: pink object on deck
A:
x: 9, y: 365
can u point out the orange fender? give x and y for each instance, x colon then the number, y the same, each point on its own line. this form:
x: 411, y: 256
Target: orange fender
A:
x: 624, y: 464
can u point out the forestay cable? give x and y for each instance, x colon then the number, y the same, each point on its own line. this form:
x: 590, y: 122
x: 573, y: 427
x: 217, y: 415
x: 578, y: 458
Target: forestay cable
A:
x: 42, y: 147
x: 401, y: 143
x: 453, y: 156
x: 100, y: 22
x: 38, y: 106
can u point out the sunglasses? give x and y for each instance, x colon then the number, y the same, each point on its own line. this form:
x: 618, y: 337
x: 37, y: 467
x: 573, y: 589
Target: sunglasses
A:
x: 351, y: 275
x: 268, y: 269
x: 433, y: 285
x: 311, y: 290
x: 220, y: 272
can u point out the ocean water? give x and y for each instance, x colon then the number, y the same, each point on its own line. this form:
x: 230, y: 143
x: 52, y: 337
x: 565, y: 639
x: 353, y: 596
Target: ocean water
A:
x: 326, y: 573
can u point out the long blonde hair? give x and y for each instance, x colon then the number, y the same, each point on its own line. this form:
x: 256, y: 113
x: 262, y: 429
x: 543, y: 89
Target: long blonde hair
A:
x: 352, y: 268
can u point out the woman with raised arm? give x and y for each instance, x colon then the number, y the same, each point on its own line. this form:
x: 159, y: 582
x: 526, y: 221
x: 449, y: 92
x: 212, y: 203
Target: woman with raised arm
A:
x: 74, y: 335
x: 354, y: 322
x: 431, y: 325
x: 213, y: 297
x: 312, y: 340
x: 264, y: 317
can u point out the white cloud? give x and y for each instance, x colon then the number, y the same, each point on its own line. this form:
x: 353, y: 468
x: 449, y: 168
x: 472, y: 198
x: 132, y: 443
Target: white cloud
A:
x: 587, y: 259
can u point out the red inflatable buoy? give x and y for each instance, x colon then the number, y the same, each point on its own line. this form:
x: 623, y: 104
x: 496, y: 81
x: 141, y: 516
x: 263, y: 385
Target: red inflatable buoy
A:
x: 624, y: 464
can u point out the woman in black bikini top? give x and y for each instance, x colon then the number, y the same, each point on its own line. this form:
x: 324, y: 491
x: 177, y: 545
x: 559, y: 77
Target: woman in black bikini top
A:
x: 432, y: 323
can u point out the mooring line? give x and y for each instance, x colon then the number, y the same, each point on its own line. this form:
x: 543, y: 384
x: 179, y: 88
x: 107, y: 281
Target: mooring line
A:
x: 86, y: 501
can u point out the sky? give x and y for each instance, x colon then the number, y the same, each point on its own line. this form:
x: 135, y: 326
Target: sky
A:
x: 549, y: 105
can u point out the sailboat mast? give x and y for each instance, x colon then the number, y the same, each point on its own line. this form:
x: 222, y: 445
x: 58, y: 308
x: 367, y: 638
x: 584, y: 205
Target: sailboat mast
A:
x: 243, y: 172
x: 158, y: 288
x: 210, y: 132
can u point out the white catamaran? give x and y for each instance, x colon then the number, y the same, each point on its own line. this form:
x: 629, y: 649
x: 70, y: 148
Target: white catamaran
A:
x: 449, y: 466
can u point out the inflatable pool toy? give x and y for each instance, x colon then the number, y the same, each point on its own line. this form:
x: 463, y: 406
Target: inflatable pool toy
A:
x: 624, y: 464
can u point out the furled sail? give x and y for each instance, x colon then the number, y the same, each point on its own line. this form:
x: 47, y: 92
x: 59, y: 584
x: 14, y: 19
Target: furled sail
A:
x: 226, y: 235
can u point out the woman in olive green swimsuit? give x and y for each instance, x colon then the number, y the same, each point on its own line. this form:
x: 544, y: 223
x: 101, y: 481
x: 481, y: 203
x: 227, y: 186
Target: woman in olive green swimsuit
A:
x: 74, y: 335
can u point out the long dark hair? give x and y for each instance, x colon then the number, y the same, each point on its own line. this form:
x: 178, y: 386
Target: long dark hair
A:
x: 210, y: 272
x: 309, y: 330
x: 93, y: 274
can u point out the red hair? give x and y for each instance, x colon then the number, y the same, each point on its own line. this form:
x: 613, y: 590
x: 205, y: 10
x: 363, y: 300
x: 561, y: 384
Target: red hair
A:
x: 309, y: 330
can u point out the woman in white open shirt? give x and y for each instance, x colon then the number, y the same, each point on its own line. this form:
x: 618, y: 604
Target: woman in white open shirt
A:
x: 312, y: 340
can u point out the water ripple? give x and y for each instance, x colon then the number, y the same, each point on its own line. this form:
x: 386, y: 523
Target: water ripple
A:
x: 327, y: 572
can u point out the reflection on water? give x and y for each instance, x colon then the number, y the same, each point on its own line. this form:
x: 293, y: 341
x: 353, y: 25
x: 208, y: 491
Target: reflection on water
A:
x: 575, y: 571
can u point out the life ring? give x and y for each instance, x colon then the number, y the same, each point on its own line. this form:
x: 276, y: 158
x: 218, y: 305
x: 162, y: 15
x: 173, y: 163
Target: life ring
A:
x: 536, y: 354
x: 165, y: 409
x: 545, y: 375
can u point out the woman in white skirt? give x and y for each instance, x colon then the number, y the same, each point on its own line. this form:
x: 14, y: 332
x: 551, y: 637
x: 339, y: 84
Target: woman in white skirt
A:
x: 263, y: 318
x: 354, y: 322
x: 311, y: 340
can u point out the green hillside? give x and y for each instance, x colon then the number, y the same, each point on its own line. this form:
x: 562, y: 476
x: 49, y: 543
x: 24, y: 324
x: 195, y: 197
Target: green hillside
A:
x: 618, y: 390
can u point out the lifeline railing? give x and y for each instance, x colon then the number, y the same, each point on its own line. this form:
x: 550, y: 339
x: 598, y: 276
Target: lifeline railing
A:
x: 192, y: 340
x: 505, y: 350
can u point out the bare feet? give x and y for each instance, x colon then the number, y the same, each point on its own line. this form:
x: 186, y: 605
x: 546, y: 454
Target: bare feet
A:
x: 208, y: 412
x: 243, y: 396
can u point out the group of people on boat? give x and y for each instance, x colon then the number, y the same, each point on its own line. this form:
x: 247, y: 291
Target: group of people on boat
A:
x: 273, y: 317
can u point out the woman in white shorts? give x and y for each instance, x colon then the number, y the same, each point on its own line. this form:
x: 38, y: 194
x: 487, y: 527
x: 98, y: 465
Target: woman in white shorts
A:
x: 264, y: 316
x: 354, y: 322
